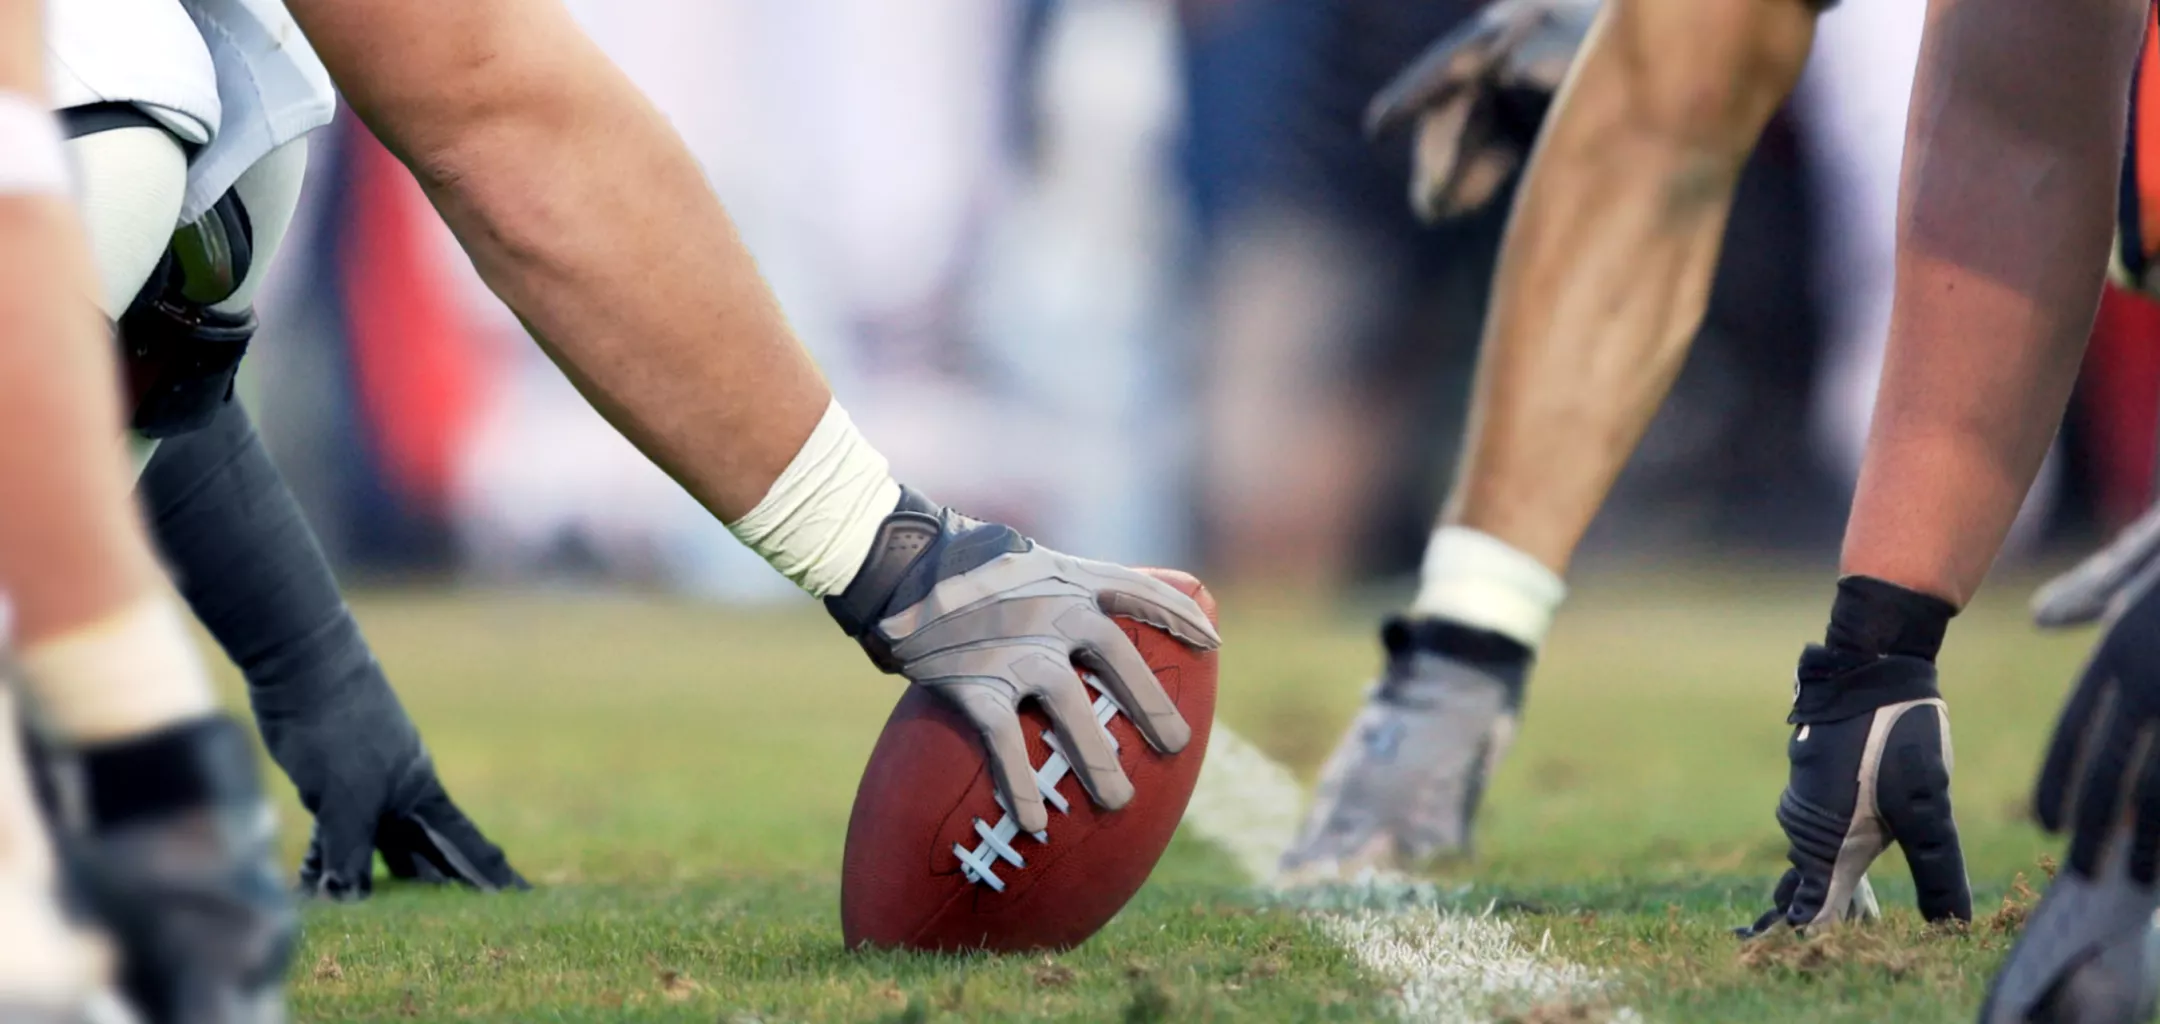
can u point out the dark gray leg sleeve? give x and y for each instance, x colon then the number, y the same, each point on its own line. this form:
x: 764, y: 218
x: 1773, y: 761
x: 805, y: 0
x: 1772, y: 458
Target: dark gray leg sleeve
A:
x: 248, y: 564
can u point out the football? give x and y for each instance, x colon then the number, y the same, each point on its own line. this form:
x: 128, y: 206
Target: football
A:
x: 934, y: 863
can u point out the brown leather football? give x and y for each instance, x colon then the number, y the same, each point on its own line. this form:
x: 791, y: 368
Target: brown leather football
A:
x: 934, y: 863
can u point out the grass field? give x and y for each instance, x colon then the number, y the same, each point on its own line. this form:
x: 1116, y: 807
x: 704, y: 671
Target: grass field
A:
x: 676, y: 780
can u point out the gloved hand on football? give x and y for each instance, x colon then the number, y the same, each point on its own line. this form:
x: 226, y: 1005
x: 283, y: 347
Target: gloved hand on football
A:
x: 985, y: 618
x: 1477, y: 98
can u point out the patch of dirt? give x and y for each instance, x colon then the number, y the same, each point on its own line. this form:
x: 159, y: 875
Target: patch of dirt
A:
x: 2017, y: 905
x: 677, y: 986
x: 1051, y: 974
x: 328, y: 969
x: 1787, y: 951
x: 1562, y: 1011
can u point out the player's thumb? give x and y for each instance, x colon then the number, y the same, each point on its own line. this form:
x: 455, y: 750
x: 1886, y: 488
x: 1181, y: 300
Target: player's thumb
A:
x: 436, y: 842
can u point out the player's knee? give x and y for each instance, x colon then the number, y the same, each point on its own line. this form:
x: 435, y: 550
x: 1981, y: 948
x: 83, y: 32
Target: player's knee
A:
x: 133, y: 181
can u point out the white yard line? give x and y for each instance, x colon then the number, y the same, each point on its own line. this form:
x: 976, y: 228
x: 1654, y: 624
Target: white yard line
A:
x: 1445, y: 965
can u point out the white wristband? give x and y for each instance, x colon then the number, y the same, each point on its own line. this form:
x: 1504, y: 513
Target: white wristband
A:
x: 1483, y: 582
x: 818, y: 520
x: 33, y: 160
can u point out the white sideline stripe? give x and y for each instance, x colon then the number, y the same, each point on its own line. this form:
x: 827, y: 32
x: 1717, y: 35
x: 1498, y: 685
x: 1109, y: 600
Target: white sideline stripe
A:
x: 1246, y: 803
x: 1445, y: 966
x: 1450, y: 966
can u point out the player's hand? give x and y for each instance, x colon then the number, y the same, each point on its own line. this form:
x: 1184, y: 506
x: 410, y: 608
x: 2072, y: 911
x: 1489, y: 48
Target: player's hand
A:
x: 1477, y: 98
x: 987, y: 618
x: 2098, y: 586
x: 1871, y: 762
x: 2103, y: 765
x: 363, y: 773
x: 2088, y: 951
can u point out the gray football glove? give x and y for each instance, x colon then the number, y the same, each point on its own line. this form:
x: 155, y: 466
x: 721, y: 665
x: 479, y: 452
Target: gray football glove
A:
x: 1478, y: 97
x: 987, y: 618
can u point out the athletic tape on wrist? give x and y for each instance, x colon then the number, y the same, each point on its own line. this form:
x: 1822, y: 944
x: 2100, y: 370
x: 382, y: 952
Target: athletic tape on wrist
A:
x: 1481, y: 581
x: 33, y: 161
x: 817, y: 521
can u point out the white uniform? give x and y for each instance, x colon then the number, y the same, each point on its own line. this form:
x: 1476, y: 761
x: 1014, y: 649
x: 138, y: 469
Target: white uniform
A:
x: 232, y: 77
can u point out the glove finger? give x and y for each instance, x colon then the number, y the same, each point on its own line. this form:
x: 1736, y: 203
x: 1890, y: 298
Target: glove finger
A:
x: 2091, y: 702
x: 1452, y: 136
x: 2099, y: 798
x: 1103, y: 648
x: 1912, y: 793
x: 1780, y: 900
x: 1130, y: 594
x: 1006, y: 747
x: 2084, y: 593
x: 1081, y: 738
x: 437, y: 839
x: 1863, y: 906
x: 1479, y: 179
x: 340, y: 862
x: 1808, y: 898
x: 1460, y: 61
x: 2145, y: 834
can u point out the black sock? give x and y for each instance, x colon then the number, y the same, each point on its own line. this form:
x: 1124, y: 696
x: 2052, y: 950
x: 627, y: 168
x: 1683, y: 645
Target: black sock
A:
x: 1872, y: 618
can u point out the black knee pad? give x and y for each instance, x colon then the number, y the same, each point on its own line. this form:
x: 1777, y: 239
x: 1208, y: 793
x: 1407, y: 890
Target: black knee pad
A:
x: 181, y: 355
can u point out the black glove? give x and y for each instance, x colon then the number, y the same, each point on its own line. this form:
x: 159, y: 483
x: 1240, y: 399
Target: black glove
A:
x: 1871, y: 763
x: 249, y: 566
x: 1478, y: 97
x: 2103, y: 765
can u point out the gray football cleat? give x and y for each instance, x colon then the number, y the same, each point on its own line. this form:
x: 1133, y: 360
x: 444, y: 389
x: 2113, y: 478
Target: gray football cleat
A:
x: 1402, y: 788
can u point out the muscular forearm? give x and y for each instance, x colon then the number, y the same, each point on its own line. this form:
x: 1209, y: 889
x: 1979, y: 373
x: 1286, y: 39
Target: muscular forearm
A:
x: 2010, y: 169
x: 586, y: 214
x: 1610, y: 256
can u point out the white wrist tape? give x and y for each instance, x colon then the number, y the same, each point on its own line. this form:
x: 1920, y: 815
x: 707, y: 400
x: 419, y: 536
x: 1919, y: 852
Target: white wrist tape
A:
x: 33, y: 160
x: 1480, y: 581
x: 817, y: 522
x: 133, y: 672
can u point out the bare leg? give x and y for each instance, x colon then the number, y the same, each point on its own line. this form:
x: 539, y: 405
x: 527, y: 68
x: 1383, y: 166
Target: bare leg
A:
x: 1608, y: 260
x: 2010, y: 170
x: 1600, y: 289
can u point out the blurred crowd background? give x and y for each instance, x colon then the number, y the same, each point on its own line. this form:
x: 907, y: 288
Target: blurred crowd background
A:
x: 1124, y: 273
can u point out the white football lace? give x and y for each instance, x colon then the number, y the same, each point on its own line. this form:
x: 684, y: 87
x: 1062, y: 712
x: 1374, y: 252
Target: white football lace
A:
x: 997, y: 839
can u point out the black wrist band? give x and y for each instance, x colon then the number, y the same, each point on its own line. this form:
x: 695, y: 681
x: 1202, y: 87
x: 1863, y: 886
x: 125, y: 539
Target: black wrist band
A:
x: 1875, y: 618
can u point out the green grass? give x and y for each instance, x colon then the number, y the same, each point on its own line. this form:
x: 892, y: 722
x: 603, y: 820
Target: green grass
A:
x: 676, y: 781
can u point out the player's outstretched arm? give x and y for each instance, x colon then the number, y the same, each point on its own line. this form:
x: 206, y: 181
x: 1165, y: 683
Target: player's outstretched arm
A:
x: 2004, y: 222
x: 585, y: 212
